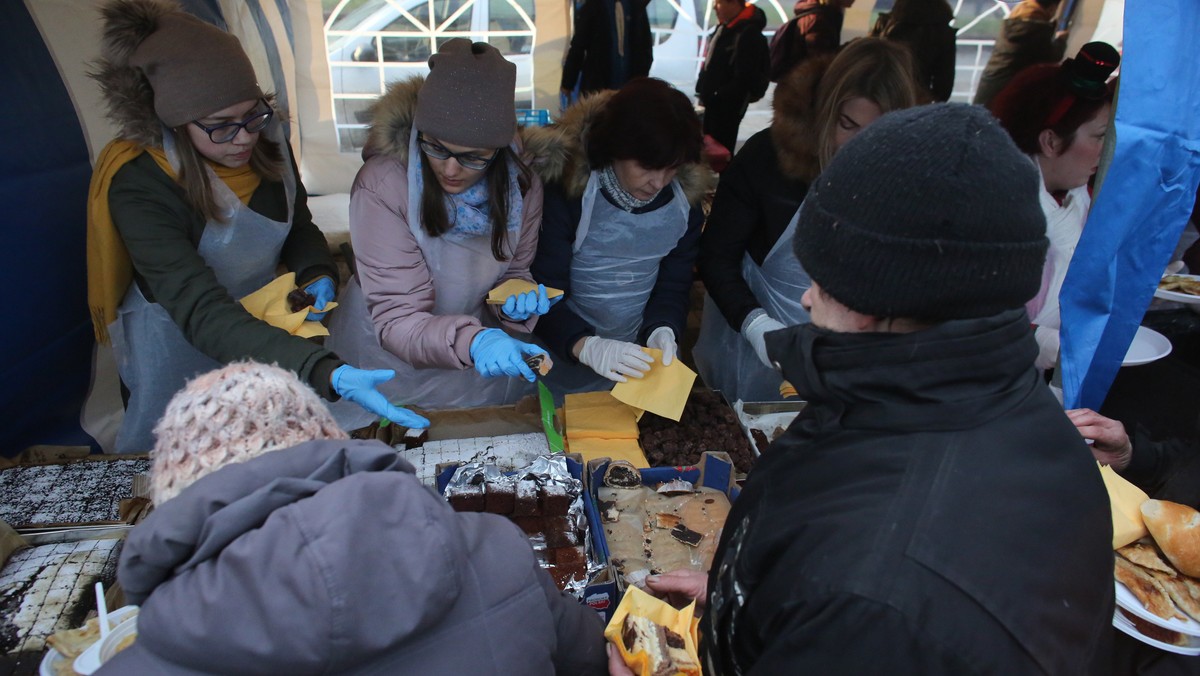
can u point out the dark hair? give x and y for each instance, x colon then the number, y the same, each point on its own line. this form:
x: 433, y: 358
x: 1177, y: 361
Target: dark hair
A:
x: 436, y: 221
x: 1058, y: 97
x: 649, y: 121
x: 266, y: 160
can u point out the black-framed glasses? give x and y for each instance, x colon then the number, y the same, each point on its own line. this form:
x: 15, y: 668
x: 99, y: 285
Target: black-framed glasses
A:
x: 226, y: 132
x: 467, y: 160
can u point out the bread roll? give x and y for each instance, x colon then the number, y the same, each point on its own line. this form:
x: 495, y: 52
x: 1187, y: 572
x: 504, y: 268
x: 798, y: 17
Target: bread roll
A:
x: 1176, y: 529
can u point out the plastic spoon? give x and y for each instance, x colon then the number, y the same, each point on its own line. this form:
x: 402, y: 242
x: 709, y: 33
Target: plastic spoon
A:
x: 89, y: 660
x: 102, y: 609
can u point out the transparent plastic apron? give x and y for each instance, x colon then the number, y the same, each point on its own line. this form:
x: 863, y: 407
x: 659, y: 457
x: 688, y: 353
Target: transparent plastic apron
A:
x: 463, y: 271
x: 726, y: 360
x: 614, y: 267
x: 154, y: 358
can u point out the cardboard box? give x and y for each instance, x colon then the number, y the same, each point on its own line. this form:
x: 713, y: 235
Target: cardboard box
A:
x: 600, y: 594
x: 715, y: 470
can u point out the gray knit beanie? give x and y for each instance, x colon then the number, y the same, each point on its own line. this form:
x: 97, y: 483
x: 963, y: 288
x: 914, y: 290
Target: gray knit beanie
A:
x: 467, y: 99
x: 229, y: 415
x: 194, y: 68
x: 930, y: 213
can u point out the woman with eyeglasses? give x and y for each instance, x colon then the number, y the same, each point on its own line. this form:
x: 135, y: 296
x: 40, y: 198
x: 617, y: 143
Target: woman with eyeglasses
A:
x: 1058, y: 114
x: 620, y: 231
x: 193, y: 206
x: 443, y: 211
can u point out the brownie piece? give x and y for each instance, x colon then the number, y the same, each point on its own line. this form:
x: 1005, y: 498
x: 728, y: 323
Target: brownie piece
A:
x: 500, y: 498
x: 466, y: 498
x: 556, y: 501
x: 567, y: 556
x: 560, y: 532
x: 526, y: 500
x: 415, y: 437
x: 531, y: 525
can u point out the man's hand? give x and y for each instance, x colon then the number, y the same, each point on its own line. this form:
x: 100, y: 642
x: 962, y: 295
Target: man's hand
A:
x: 1110, y: 442
x: 616, y: 665
x: 680, y: 587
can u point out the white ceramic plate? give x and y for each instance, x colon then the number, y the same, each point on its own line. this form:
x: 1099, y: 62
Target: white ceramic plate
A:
x: 1148, y: 345
x: 1128, y: 601
x: 1179, y: 296
x: 1122, y: 623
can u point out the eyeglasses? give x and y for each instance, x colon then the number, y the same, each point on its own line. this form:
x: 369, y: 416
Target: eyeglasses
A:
x: 224, y: 133
x: 466, y: 160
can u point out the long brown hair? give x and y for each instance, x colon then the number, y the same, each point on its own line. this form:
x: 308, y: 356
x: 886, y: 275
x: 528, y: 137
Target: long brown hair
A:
x: 436, y: 221
x: 266, y: 160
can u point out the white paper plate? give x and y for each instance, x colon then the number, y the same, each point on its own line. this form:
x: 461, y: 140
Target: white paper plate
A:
x: 1122, y: 623
x: 1148, y: 345
x: 52, y: 658
x: 1178, y: 296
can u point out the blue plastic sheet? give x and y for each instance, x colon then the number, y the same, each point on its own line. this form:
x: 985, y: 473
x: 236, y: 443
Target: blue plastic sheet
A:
x: 1144, y: 202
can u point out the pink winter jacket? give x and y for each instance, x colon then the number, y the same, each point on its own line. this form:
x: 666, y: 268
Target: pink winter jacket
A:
x: 395, y: 280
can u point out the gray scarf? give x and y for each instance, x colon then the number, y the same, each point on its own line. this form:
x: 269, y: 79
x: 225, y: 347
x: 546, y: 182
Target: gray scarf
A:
x: 612, y: 187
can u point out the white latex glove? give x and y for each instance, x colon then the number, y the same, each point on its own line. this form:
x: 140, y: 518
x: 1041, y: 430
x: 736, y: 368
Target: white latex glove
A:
x: 757, y: 324
x: 663, y: 338
x: 615, y: 359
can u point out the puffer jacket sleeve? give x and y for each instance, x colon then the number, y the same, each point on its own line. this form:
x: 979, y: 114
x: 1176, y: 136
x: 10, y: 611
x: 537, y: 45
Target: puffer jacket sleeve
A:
x: 579, y: 632
x: 522, y: 259
x: 395, y: 279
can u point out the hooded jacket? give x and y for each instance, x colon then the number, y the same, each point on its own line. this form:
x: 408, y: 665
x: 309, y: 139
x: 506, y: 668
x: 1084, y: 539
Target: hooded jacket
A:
x: 737, y: 55
x: 931, y: 511
x: 561, y: 161
x: 1027, y: 38
x: 331, y: 558
x: 760, y: 191
x: 395, y: 279
x: 162, y: 232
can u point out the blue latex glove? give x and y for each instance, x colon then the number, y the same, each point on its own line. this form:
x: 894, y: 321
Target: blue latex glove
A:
x: 360, y: 386
x: 521, y: 306
x: 324, y: 292
x: 496, y: 353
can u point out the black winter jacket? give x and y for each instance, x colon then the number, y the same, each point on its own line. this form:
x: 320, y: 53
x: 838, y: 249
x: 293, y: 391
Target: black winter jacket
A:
x: 932, y: 511
x: 755, y: 201
x: 1022, y: 43
x: 590, y: 53
x: 738, y: 56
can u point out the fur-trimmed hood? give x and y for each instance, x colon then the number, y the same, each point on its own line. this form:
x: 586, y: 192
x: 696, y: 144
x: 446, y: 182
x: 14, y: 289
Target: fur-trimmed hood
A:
x: 392, y: 120
x: 126, y: 92
x: 792, y: 125
x: 558, y: 155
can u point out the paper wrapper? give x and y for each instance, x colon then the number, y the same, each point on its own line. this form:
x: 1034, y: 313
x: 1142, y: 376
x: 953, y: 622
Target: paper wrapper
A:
x: 640, y: 604
x: 511, y: 287
x: 663, y: 389
x: 615, y: 449
x: 1126, y: 500
x: 597, y: 415
x: 270, y: 304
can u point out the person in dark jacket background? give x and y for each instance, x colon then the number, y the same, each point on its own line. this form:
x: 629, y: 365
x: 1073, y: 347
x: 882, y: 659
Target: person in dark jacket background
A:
x: 279, y: 546
x: 820, y: 21
x: 1027, y: 37
x: 924, y: 27
x: 736, y: 57
x: 610, y: 45
x: 932, y: 510
x: 620, y: 229
x: 752, y: 279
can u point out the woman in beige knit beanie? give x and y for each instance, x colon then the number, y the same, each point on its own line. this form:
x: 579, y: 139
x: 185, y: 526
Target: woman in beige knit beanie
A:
x: 194, y: 205
x: 231, y: 415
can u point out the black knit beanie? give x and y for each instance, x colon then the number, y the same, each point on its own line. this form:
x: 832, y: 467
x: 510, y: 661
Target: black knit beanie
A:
x: 930, y: 213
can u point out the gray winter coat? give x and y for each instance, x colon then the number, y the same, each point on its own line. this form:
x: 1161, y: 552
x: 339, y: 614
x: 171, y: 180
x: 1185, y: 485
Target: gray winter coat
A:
x: 331, y: 558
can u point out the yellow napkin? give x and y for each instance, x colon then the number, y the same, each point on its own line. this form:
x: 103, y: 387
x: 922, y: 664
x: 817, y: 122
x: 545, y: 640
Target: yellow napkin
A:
x: 596, y: 415
x: 510, y: 287
x: 270, y: 305
x: 640, y: 604
x: 1126, y: 500
x: 663, y: 389
x: 617, y: 449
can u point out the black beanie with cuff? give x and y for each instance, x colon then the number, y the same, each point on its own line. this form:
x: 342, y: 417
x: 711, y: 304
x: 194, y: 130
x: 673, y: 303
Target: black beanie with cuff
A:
x: 931, y: 213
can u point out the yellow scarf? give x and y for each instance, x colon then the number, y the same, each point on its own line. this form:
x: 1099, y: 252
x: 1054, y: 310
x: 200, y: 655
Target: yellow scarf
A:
x: 109, y: 269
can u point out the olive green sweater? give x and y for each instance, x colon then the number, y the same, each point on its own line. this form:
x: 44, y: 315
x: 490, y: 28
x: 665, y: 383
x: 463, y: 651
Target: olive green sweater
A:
x: 162, y: 233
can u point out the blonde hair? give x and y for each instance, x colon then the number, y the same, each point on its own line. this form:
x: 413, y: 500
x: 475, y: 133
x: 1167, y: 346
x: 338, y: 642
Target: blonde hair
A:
x: 871, y: 68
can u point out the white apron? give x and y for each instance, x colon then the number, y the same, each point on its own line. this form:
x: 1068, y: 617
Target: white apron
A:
x: 154, y: 358
x: 463, y: 271
x: 1064, y: 227
x: 614, y: 267
x: 724, y: 358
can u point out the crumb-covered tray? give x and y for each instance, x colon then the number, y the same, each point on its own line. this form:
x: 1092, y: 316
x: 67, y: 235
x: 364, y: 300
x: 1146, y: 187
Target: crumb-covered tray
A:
x: 507, y: 452
x: 83, y: 491
x: 49, y: 586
